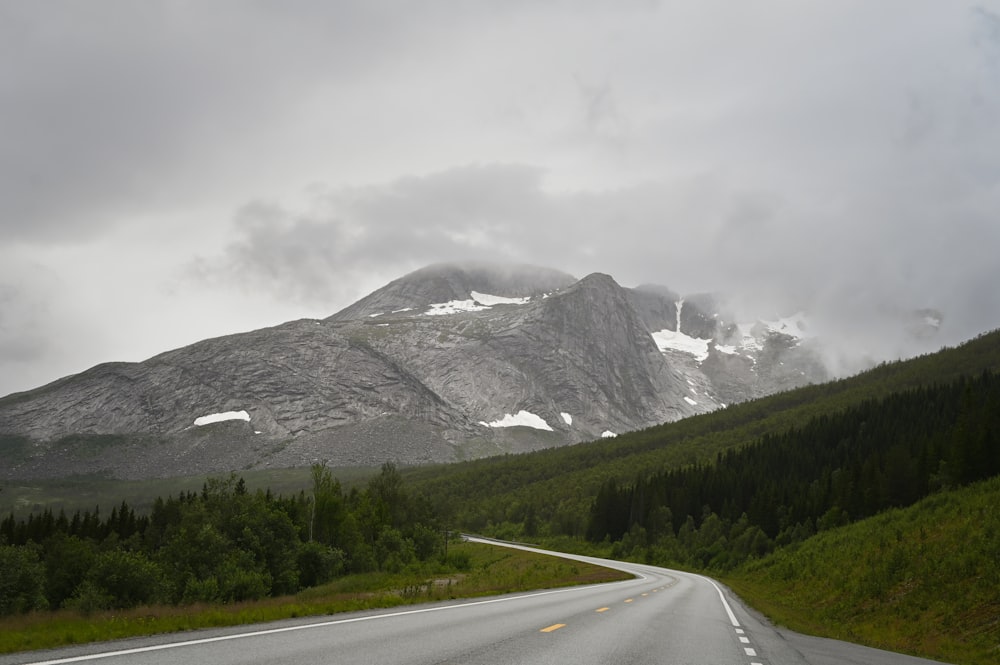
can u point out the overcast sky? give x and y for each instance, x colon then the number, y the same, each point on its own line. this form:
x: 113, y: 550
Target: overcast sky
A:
x: 171, y: 171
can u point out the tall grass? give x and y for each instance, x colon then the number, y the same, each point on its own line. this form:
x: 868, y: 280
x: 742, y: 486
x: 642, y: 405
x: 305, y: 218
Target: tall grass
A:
x: 924, y: 580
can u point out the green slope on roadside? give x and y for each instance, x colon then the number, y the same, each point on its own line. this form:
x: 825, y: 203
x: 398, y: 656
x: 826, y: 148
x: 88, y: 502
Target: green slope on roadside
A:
x: 922, y: 580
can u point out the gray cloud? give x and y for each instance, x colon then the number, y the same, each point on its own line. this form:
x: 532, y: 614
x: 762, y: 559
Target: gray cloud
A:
x: 20, y: 327
x: 987, y: 33
x: 33, y: 337
x: 105, y: 106
x: 862, y: 270
x: 841, y: 157
x: 319, y: 253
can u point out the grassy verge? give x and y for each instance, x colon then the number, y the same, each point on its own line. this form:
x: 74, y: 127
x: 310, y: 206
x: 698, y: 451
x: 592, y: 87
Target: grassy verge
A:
x: 923, y: 580
x: 475, y: 570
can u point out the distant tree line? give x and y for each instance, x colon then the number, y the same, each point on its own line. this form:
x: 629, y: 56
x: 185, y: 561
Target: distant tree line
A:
x: 782, y: 488
x: 223, y: 544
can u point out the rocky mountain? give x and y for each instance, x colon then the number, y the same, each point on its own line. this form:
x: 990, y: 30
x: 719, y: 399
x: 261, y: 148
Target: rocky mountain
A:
x: 449, y: 362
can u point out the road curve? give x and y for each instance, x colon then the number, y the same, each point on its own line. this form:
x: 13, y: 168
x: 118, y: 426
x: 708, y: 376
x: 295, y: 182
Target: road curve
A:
x: 660, y: 616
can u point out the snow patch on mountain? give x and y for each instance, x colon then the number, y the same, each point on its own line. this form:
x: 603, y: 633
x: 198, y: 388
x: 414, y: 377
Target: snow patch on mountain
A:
x: 520, y: 419
x: 752, y: 335
x: 568, y: 419
x: 454, y: 307
x: 748, y: 340
x: 476, y: 303
x: 668, y: 340
x: 608, y: 434
x: 220, y: 417
x: 490, y: 300
x: 793, y: 326
x: 675, y: 340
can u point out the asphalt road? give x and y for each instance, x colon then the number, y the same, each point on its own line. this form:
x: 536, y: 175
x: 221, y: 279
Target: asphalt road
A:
x: 661, y: 616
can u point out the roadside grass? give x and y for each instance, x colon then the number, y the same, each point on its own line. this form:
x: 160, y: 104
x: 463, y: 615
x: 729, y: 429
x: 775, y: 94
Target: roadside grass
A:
x: 923, y: 580
x: 472, y: 570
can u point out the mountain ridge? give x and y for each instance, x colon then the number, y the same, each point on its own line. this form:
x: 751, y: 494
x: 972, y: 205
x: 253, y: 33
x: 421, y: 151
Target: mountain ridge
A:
x: 432, y: 367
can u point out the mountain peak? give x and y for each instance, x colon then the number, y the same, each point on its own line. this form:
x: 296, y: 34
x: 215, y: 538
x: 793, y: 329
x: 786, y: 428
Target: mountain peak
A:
x: 599, y: 279
x: 445, y: 282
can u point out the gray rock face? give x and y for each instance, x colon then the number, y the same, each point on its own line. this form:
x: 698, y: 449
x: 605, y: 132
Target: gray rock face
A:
x: 293, y: 378
x: 447, y: 363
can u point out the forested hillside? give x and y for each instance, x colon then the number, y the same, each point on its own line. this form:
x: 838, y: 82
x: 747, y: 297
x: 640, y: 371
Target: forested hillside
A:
x: 884, y: 453
x: 550, y: 492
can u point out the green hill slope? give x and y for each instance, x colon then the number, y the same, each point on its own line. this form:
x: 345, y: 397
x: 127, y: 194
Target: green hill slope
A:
x: 552, y: 490
x: 922, y: 580
x: 835, y: 469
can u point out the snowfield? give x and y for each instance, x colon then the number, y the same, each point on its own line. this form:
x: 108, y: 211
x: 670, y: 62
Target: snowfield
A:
x: 477, y: 302
x: 454, y: 307
x: 668, y: 340
x: 220, y: 417
x: 520, y: 419
x: 489, y: 301
x: 793, y: 326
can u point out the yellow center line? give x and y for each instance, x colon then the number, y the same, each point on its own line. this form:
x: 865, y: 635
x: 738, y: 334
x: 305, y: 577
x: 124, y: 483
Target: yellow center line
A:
x: 644, y: 595
x: 629, y: 600
x: 603, y: 609
x: 555, y: 626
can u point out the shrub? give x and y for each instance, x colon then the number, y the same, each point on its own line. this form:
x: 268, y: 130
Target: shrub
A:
x: 129, y: 579
x: 22, y: 580
x: 319, y: 563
